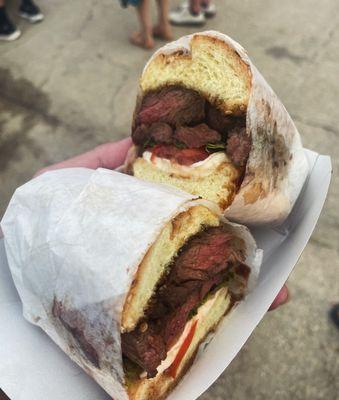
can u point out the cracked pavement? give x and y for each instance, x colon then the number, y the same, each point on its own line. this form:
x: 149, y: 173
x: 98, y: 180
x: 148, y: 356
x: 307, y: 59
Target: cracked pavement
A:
x: 70, y: 83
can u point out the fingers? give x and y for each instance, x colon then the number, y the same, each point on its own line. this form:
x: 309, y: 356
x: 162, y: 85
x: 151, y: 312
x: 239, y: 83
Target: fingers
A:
x: 108, y: 155
x: 282, y: 298
x: 111, y: 155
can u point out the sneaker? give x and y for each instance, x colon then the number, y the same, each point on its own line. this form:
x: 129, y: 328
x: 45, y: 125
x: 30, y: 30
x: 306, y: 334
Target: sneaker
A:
x: 8, y: 30
x: 31, y: 12
x: 182, y: 16
x: 209, y: 10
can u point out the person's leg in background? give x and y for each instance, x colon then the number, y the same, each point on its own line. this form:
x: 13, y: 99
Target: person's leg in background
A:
x: 163, y: 29
x: 195, y: 7
x: 8, y: 30
x: 144, y: 38
x: 30, y: 11
x: 208, y: 7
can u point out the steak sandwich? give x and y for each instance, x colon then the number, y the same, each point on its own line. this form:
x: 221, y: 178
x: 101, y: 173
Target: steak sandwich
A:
x: 201, y: 280
x: 207, y: 122
x: 127, y: 277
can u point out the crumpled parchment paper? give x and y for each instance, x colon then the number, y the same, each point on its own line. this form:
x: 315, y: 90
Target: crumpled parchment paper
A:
x: 76, y: 237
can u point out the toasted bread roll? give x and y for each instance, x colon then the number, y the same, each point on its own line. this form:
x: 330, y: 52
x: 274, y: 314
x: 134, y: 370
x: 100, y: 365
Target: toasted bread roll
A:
x: 201, y: 96
x: 126, y: 276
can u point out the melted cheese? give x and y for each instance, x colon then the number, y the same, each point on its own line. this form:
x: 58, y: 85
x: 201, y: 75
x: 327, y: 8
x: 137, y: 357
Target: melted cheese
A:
x: 197, y: 170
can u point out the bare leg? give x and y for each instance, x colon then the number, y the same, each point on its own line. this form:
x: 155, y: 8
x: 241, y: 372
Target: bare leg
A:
x: 163, y: 29
x: 195, y: 6
x: 209, y: 8
x: 144, y: 38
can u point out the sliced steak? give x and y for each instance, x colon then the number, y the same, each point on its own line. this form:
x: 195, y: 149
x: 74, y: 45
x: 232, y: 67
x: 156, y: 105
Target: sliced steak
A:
x: 172, y: 296
x: 161, y: 133
x: 175, y: 323
x: 158, y: 131
x: 197, y: 136
x: 144, y: 347
x: 203, y: 257
x: 174, y: 106
x: 217, y: 120
x: 204, y: 262
x: 238, y: 146
x: 140, y: 135
x: 208, y: 285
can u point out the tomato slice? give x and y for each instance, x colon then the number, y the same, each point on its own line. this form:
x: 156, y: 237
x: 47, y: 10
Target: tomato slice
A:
x: 173, y: 368
x: 181, y: 156
x: 191, y: 156
x: 164, y: 151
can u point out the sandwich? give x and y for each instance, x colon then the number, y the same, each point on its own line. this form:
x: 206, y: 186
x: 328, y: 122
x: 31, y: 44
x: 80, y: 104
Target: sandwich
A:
x: 206, y: 122
x: 127, y: 277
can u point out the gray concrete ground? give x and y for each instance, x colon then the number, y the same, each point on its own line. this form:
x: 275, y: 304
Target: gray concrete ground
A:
x: 69, y: 84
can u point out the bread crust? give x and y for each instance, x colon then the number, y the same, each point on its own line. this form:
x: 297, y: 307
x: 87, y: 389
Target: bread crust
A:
x: 172, y: 55
x: 277, y: 166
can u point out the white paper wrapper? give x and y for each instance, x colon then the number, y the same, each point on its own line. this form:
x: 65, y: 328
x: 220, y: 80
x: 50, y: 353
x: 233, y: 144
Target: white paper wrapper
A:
x: 277, y: 167
x: 77, y: 236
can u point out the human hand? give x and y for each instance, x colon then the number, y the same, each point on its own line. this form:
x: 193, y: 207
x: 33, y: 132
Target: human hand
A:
x: 108, y: 155
x: 111, y: 156
x: 282, y: 298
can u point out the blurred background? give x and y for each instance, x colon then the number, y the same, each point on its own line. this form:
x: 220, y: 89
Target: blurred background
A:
x: 69, y: 84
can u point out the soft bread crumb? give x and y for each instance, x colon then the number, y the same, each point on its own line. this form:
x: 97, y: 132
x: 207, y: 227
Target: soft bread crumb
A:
x: 219, y: 186
x: 212, y: 68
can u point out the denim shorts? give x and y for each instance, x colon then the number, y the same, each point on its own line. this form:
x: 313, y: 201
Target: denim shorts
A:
x: 126, y: 3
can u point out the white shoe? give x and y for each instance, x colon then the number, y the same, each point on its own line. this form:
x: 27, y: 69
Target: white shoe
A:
x: 33, y: 18
x: 30, y: 11
x: 210, y: 10
x: 182, y: 16
x: 10, y: 37
x: 8, y: 31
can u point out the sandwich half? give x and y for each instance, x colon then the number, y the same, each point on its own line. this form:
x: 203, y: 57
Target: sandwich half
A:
x: 189, y: 279
x: 207, y: 122
x: 126, y: 276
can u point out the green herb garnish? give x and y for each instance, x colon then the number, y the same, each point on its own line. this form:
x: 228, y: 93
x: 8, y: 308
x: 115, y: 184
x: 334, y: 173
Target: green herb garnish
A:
x: 149, y: 143
x: 214, y: 147
x: 179, y: 145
